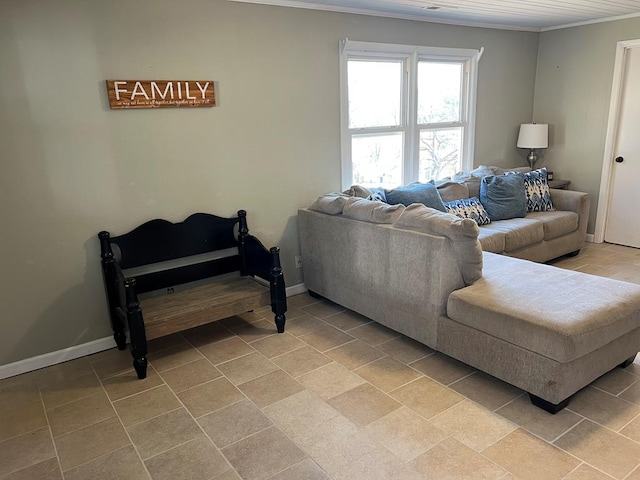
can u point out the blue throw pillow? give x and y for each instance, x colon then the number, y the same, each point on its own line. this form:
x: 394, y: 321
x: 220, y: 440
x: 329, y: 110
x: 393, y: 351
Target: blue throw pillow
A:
x: 468, y: 208
x: 425, y: 193
x: 377, y: 194
x: 537, y: 190
x: 504, y: 196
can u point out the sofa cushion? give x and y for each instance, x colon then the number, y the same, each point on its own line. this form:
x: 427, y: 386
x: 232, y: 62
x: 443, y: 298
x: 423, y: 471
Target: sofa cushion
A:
x: 370, y: 193
x: 482, y: 171
x: 502, y: 171
x: 450, y: 191
x: 503, y: 196
x: 473, y: 185
x: 462, y: 232
x: 518, y: 232
x: 556, y: 223
x: 492, y: 240
x: 570, y: 315
x: 468, y: 208
x: 331, y: 203
x: 425, y: 193
x: 537, y: 191
x: 371, y: 211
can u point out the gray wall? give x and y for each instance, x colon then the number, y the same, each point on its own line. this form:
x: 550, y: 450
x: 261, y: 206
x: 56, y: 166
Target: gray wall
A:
x: 572, y: 95
x: 71, y: 167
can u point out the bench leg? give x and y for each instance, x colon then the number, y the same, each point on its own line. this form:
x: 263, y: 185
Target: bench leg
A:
x: 136, y: 329
x: 552, y: 408
x: 121, y: 338
x: 140, y: 365
x: 627, y: 362
x: 278, y: 292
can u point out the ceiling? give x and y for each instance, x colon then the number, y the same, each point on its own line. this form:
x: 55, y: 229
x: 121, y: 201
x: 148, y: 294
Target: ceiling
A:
x: 530, y: 15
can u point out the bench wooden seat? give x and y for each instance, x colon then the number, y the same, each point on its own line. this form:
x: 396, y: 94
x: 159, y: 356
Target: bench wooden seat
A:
x: 169, y: 314
x: 213, y: 265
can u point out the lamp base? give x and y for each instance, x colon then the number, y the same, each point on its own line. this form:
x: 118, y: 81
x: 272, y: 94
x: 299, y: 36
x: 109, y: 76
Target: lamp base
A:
x: 532, y: 158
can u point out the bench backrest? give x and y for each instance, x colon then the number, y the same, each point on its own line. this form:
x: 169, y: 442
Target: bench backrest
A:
x: 158, y: 241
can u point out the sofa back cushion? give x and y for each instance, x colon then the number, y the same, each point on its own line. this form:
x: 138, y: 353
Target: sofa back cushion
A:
x: 331, y: 203
x: 370, y: 211
x: 462, y: 232
x: 450, y: 190
x: 473, y: 178
x: 370, y: 193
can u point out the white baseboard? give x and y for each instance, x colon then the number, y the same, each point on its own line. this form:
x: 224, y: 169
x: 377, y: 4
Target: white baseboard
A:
x: 296, y: 289
x: 77, y: 351
x: 53, y: 358
x: 590, y: 237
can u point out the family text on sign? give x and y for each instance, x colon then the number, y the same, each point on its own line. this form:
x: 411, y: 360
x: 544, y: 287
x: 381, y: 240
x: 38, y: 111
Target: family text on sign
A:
x: 160, y: 93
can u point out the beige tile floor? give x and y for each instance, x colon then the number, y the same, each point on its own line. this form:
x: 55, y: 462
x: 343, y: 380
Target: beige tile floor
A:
x: 335, y: 397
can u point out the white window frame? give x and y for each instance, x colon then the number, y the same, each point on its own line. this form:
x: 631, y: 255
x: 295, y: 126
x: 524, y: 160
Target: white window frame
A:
x: 410, y: 55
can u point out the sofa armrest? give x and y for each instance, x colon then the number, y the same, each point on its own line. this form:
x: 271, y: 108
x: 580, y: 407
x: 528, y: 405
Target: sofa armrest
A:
x: 573, y: 201
x: 570, y: 200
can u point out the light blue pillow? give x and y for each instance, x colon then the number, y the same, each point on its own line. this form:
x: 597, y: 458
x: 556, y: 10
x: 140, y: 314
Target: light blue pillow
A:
x: 425, y: 193
x: 468, y: 208
x: 504, y: 196
x: 377, y: 194
x: 537, y: 191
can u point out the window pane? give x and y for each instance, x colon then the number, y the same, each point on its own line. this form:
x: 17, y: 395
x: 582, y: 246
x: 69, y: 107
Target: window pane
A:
x: 439, y: 153
x: 377, y: 160
x: 374, y: 90
x: 439, y: 92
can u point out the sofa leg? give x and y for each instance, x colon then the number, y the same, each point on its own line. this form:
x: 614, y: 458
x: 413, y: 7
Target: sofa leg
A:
x: 552, y: 408
x: 627, y: 362
x: 574, y: 253
x: 314, y: 294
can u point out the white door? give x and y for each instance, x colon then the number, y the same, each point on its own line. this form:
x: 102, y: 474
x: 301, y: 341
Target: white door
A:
x: 622, y: 225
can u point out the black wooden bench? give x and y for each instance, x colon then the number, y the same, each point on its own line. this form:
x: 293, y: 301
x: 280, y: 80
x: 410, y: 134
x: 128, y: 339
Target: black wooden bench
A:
x: 203, y: 269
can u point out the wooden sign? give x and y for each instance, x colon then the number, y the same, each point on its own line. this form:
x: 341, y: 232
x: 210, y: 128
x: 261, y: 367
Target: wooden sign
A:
x: 161, y: 93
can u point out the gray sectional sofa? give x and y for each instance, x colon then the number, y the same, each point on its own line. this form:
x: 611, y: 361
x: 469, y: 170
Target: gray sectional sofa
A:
x: 424, y: 273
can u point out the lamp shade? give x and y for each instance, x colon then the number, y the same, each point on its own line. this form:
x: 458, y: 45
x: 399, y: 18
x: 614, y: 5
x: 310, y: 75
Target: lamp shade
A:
x: 533, y: 135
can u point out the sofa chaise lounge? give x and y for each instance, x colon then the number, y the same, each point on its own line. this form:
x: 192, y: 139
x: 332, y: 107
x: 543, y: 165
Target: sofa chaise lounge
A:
x: 423, y: 273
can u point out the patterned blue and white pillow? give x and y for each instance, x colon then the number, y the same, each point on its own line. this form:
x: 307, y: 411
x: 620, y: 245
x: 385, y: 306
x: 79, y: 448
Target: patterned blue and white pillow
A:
x: 468, y: 208
x: 537, y: 189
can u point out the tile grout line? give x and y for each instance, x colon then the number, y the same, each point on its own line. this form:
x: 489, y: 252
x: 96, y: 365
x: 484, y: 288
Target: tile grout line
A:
x: 550, y: 442
x: 616, y: 432
x: 553, y: 444
x: 125, y: 429
x: 311, y: 393
x: 53, y: 441
x: 235, y: 386
x: 219, y: 450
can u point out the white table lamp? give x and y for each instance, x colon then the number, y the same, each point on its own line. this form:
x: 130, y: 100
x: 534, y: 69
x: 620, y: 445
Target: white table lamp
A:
x: 532, y: 136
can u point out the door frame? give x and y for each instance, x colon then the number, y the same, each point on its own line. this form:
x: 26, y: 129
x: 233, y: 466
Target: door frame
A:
x: 606, y: 179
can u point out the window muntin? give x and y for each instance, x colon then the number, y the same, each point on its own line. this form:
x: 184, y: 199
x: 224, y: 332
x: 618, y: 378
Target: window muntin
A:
x: 408, y: 113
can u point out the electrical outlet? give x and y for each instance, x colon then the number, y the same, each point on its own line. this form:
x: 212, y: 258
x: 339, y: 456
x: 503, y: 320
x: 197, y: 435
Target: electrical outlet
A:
x: 298, y: 261
x: 170, y: 290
